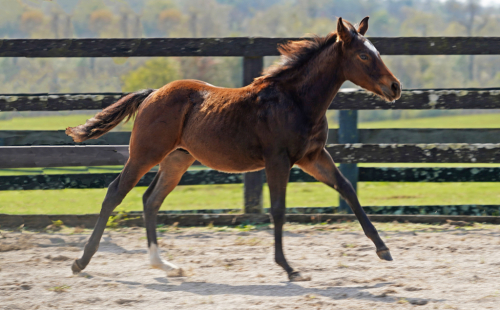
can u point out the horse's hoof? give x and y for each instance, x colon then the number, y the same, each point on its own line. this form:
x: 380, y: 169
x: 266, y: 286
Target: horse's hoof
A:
x: 385, y: 255
x: 178, y: 272
x: 297, y: 277
x: 76, y: 268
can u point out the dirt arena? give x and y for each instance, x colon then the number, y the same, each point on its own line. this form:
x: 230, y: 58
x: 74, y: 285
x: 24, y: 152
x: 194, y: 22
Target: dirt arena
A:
x: 435, y: 267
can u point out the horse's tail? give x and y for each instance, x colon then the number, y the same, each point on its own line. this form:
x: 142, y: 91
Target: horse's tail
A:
x: 110, y: 117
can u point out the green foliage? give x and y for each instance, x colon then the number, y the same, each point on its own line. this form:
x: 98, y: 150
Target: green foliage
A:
x: 57, y: 223
x: 245, y: 227
x: 119, y: 219
x: 55, y: 226
x: 219, y: 71
x: 161, y: 228
x: 150, y: 15
x: 154, y: 73
x: 382, y: 21
x: 60, y: 288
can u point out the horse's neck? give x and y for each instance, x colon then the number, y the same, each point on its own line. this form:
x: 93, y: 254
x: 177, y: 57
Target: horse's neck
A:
x: 320, y: 82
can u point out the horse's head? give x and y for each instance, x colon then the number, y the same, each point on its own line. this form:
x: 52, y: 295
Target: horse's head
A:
x: 362, y: 64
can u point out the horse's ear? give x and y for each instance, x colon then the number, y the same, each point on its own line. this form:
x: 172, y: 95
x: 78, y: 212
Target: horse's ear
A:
x: 343, y: 33
x: 363, y: 26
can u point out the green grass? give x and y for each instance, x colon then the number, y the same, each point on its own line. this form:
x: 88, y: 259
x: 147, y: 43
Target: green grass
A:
x: 53, y: 122
x: 80, y: 201
x: 56, y: 122
x: 60, y: 122
x: 455, y: 121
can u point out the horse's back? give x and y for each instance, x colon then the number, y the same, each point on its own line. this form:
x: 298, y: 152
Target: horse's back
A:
x: 215, y: 124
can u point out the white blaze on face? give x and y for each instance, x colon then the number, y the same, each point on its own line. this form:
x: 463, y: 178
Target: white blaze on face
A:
x: 156, y: 261
x: 370, y: 46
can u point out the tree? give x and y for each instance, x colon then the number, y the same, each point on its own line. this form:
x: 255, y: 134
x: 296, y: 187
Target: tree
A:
x: 100, y: 20
x: 154, y: 73
x: 31, y: 20
x: 472, y: 16
x: 168, y: 20
x: 150, y: 15
x: 81, y: 18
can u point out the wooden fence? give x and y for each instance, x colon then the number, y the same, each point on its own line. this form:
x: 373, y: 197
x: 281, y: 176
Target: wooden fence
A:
x: 348, y: 145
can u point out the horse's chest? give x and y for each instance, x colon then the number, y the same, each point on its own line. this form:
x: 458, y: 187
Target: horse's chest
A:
x: 308, y: 141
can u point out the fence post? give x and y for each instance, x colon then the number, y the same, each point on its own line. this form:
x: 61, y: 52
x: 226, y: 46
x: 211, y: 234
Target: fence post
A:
x: 348, y: 133
x: 253, y: 181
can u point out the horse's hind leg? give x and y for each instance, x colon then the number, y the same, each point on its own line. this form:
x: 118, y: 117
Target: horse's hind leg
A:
x: 171, y: 170
x: 324, y: 170
x: 132, y: 172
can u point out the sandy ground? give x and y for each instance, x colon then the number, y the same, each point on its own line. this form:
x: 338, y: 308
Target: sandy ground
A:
x: 435, y: 267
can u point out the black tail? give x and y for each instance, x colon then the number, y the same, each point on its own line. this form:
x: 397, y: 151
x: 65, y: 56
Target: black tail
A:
x: 110, y: 117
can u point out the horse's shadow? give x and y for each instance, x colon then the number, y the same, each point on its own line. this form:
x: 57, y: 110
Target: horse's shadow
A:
x: 107, y: 245
x: 287, y: 289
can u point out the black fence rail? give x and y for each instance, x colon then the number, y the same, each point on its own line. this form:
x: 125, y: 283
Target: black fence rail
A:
x: 208, y: 176
x: 103, y: 155
x: 27, y: 149
x: 393, y: 135
x: 419, y: 99
x: 235, y: 47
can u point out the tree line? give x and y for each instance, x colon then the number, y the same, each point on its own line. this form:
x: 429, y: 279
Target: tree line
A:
x: 221, y: 18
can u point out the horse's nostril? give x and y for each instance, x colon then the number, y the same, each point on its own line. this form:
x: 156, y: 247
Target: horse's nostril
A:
x: 395, y: 87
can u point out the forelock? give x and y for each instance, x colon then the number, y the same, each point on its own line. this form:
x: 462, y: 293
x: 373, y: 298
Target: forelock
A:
x: 369, y: 45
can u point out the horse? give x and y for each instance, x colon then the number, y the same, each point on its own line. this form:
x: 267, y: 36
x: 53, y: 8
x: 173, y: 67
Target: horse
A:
x: 274, y: 123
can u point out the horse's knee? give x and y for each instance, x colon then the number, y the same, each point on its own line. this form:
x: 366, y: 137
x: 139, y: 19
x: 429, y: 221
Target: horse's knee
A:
x: 110, y: 203
x: 278, y: 213
x: 113, y: 197
x: 150, y: 190
x: 344, y: 187
x: 342, y: 183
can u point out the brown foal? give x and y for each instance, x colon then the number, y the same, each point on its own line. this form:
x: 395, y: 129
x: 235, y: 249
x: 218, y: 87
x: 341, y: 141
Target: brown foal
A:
x: 274, y: 123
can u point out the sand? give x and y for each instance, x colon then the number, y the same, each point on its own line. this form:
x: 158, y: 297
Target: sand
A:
x: 434, y: 267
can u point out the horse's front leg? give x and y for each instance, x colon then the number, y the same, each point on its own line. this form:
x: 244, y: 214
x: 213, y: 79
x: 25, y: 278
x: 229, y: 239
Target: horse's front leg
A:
x: 322, y: 167
x: 278, y: 172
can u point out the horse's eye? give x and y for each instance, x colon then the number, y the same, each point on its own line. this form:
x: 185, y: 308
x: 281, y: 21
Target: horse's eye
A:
x: 363, y: 57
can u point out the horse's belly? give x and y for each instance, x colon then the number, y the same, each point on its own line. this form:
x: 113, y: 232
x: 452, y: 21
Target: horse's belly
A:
x: 227, y: 162
x: 222, y: 141
x: 226, y: 159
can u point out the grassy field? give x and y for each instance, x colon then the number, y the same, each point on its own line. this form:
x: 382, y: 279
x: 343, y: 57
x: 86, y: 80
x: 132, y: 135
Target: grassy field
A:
x: 56, y: 122
x: 456, y: 121
x: 78, y: 201
x: 60, y: 122
x: 231, y: 196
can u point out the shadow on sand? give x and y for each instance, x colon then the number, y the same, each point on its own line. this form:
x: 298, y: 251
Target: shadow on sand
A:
x: 286, y: 289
